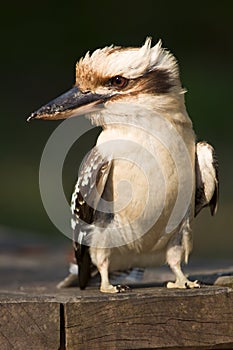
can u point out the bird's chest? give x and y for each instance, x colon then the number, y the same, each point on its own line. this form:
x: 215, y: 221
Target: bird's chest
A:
x: 143, y: 183
x: 146, y: 177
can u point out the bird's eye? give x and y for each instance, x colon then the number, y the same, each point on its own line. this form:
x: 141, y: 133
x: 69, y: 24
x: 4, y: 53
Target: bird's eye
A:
x: 119, y: 82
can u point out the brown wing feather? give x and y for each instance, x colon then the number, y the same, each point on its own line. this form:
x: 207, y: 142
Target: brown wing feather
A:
x: 88, y: 191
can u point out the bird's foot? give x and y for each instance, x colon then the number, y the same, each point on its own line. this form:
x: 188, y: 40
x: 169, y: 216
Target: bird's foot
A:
x: 114, y: 289
x: 191, y: 285
x: 186, y: 284
x: 122, y: 288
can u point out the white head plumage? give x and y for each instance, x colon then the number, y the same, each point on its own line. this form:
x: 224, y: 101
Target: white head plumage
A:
x: 129, y: 62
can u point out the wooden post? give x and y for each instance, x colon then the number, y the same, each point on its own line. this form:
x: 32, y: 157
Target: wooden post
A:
x: 45, y: 318
x: 29, y: 323
x: 151, y: 318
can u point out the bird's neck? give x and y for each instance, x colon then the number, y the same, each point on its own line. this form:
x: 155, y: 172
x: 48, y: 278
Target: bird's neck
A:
x: 141, y: 111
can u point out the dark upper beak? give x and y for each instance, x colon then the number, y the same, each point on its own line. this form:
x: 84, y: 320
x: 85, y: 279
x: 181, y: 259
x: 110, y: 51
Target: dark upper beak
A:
x: 73, y: 102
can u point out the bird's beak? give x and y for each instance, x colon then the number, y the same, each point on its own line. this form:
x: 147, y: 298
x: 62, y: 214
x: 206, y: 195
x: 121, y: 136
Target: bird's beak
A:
x: 73, y: 102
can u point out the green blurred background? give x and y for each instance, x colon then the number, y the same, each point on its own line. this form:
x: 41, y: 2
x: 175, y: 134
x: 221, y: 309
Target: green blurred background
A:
x: 40, y: 43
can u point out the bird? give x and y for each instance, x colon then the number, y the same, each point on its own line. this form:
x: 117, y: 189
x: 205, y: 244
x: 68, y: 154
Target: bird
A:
x: 147, y: 178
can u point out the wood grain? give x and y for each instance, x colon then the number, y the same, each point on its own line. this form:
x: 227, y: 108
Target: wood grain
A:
x: 34, y: 315
x: 145, y: 318
x: 152, y: 318
x: 26, y: 324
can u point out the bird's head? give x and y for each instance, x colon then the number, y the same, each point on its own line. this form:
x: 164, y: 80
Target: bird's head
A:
x: 117, y: 74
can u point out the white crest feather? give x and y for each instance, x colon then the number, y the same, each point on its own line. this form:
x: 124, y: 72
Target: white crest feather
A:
x: 130, y: 62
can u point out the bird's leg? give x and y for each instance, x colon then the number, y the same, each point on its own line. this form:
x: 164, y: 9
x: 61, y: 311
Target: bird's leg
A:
x: 105, y: 286
x: 102, y: 263
x: 174, y: 258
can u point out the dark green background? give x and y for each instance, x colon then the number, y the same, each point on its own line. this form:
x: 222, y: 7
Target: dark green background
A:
x: 40, y: 43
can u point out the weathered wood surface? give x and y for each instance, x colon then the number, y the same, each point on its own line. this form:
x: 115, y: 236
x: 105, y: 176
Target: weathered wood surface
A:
x: 145, y: 318
x: 35, y: 315
x: 151, y: 318
x: 29, y: 324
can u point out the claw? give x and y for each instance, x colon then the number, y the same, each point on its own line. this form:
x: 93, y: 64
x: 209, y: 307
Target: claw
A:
x: 115, y: 289
x: 122, y: 288
x: 184, y: 284
x: 191, y: 285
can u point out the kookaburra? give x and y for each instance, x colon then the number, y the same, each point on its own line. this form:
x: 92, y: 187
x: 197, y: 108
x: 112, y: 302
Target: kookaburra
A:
x: 129, y: 184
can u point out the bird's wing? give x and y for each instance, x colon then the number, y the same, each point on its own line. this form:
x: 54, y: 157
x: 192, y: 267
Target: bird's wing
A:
x: 89, y: 189
x: 207, y: 184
